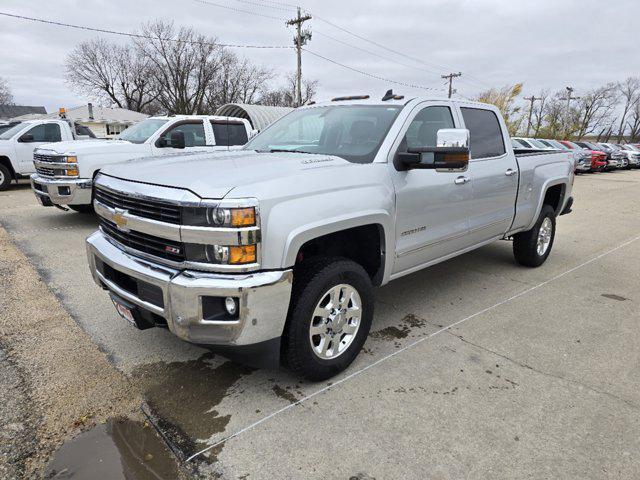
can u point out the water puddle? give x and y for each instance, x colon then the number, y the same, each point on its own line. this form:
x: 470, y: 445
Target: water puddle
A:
x: 181, y: 399
x: 119, y: 449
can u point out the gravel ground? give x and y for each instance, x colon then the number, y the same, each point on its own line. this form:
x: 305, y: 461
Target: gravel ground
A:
x: 54, y: 381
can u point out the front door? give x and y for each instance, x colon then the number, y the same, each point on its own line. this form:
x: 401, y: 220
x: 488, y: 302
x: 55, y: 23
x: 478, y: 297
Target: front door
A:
x: 40, y: 134
x: 195, y: 138
x: 432, y: 206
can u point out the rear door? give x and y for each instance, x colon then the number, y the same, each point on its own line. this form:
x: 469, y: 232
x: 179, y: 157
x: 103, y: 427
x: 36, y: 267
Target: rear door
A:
x: 494, y: 170
x: 229, y: 134
x: 432, y: 206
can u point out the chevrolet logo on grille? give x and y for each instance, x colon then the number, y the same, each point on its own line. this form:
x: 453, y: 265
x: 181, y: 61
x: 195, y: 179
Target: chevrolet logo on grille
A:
x: 120, y: 220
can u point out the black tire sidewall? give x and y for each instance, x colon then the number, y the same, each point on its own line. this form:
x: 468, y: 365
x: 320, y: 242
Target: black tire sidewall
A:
x: 301, y: 357
x: 525, y: 244
x: 7, y: 178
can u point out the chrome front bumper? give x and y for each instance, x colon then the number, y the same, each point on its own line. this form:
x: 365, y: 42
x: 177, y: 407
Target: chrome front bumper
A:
x: 62, y: 191
x: 263, y: 296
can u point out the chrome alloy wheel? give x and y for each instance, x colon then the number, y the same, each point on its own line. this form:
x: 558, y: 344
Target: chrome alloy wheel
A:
x: 544, y: 236
x: 335, y: 321
x: 1, y: 177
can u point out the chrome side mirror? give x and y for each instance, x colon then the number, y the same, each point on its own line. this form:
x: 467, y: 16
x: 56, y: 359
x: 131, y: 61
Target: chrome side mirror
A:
x: 450, y: 153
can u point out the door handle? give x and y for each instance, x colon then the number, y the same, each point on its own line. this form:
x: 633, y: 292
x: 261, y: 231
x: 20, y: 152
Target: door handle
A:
x: 510, y: 172
x: 461, y: 180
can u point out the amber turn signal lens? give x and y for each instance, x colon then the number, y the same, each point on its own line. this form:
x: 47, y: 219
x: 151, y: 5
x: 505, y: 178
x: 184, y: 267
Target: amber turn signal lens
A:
x: 242, y: 254
x: 72, y: 173
x: 243, y: 217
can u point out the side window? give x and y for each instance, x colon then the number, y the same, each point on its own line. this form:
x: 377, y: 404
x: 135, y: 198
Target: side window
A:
x: 229, y: 134
x: 485, y: 135
x: 193, y: 134
x: 423, y: 130
x: 48, y: 132
x: 86, y: 131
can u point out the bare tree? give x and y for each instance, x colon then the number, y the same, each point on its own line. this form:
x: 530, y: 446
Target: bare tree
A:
x: 630, y: 94
x: 184, y: 63
x: 238, y: 81
x: 112, y: 73
x: 634, y: 124
x: 538, y: 112
x: 285, y: 96
x: 6, y: 98
x: 595, y: 108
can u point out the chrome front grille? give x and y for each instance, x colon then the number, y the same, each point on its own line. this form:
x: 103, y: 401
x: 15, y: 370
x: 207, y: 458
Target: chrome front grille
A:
x: 142, y: 242
x: 141, y: 207
x: 49, y: 172
x: 39, y: 157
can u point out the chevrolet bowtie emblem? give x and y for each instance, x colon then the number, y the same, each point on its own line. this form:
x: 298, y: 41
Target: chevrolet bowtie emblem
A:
x: 119, y: 219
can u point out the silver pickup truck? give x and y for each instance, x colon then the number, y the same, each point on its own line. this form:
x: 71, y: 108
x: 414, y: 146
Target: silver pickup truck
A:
x: 270, y: 253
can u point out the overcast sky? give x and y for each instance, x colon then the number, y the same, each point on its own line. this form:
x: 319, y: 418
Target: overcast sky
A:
x: 543, y: 43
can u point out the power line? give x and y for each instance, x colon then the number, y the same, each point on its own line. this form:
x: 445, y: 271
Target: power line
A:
x: 379, y: 45
x: 240, y: 10
x: 389, y: 59
x: 275, y: 6
x: 136, y: 35
x: 371, y: 75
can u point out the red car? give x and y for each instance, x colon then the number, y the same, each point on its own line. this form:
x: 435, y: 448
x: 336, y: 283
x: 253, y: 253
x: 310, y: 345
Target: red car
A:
x: 598, y: 158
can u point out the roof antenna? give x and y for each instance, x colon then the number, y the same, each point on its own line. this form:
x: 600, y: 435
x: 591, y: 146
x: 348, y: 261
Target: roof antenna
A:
x: 391, y: 96
x: 388, y: 96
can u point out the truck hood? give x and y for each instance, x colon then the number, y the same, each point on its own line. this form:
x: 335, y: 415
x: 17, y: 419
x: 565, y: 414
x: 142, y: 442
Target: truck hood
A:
x: 87, y: 147
x: 214, y: 175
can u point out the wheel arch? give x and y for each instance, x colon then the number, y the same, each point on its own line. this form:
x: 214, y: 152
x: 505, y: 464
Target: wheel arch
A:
x: 364, y: 239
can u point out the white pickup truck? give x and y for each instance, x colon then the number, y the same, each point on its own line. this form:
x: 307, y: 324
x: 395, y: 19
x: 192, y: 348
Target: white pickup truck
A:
x: 18, y: 142
x: 65, y: 170
x: 272, y: 252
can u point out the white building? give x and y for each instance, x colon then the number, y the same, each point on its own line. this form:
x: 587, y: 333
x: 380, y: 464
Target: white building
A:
x: 104, y: 122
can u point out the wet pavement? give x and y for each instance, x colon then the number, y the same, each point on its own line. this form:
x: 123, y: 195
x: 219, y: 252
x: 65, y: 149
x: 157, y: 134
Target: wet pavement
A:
x: 121, y: 449
x: 537, y: 376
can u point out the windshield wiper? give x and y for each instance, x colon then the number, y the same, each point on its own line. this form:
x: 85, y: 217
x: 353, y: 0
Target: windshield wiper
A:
x: 286, y: 150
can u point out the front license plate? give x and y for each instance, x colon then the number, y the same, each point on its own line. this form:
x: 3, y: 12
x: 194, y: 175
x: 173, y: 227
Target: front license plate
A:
x: 124, y: 312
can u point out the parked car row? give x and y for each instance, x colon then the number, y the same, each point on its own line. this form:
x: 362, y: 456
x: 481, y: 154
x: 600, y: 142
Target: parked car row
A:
x: 588, y: 156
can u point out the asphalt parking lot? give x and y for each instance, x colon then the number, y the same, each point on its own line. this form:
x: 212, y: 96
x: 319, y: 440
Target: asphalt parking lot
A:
x: 475, y: 368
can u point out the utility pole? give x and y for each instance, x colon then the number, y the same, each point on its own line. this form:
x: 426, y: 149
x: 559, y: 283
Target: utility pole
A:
x: 301, y: 38
x: 450, y: 77
x: 569, y: 98
x: 531, y: 99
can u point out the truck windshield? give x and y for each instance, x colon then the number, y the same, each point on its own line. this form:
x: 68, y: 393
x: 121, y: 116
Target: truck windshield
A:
x: 7, y: 134
x: 140, y: 132
x: 352, y: 132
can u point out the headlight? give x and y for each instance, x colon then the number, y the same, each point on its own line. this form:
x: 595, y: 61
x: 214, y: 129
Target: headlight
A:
x: 216, y: 216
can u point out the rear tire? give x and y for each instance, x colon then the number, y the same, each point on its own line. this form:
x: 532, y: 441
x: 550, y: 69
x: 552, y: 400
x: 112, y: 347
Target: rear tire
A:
x: 532, y: 248
x: 86, y: 209
x: 318, y: 356
x: 5, y: 177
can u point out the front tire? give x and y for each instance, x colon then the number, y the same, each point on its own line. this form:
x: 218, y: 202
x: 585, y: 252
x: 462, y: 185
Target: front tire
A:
x: 532, y: 248
x: 329, y: 317
x: 5, y: 177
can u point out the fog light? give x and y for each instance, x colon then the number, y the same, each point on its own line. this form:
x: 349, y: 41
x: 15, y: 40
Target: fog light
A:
x: 64, y: 191
x: 230, y: 305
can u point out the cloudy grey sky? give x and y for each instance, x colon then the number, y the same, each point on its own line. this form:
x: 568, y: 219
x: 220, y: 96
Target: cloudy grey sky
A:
x: 543, y: 43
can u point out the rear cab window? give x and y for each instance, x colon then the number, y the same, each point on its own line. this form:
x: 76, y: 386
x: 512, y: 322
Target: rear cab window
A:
x: 485, y: 134
x: 229, y: 134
